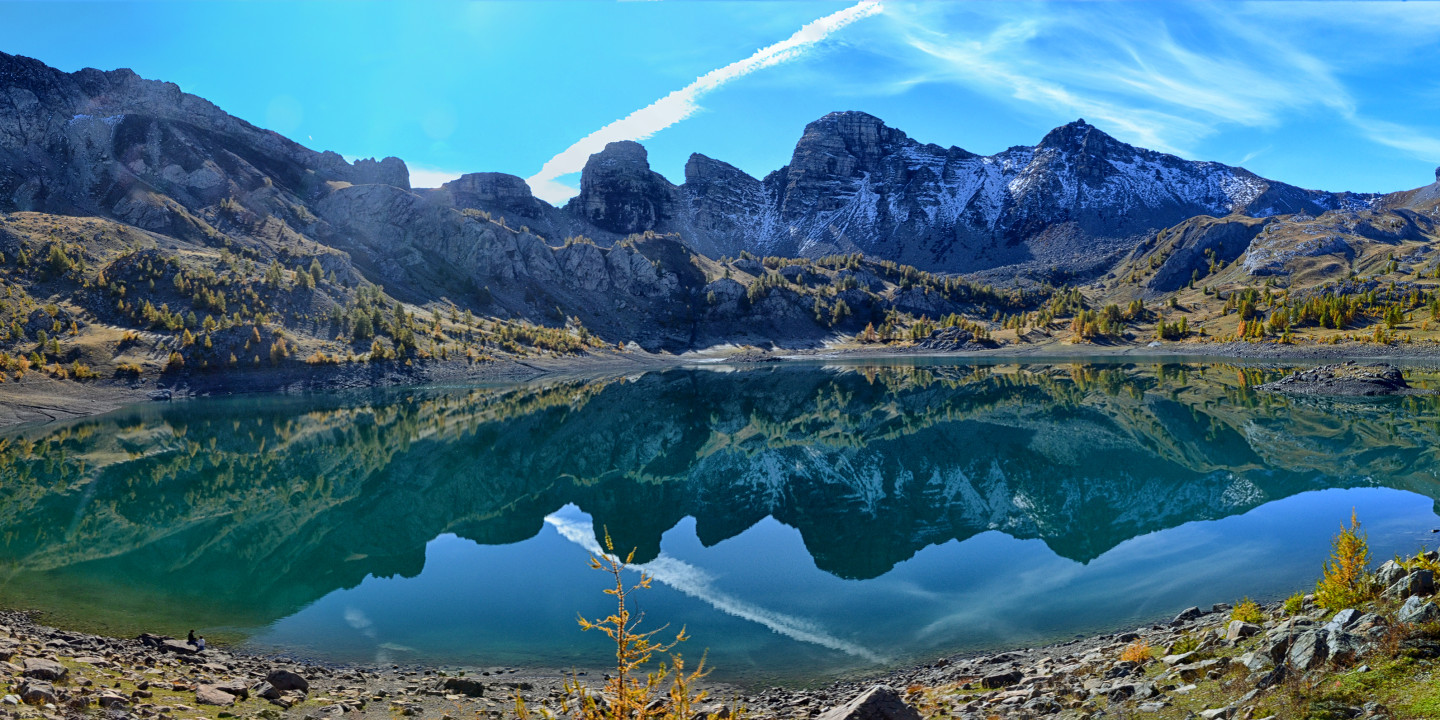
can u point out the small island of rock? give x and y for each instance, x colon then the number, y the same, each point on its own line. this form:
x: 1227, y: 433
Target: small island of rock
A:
x: 1345, y: 379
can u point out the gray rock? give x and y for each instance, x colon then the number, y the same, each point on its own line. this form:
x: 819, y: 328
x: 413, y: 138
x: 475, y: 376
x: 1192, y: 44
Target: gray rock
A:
x: 1187, y: 615
x: 1390, y: 573
x: 36, y: 692
x: 1309, y: 650
x: 1256, y: 661
x: 42, y: 669
x: 1001, y: 679
x: 1419, y: 582
x: 1199, y: 670
x: 234, y: 687
x: 1344, y: 619
x: 211, y: 695
x: 1341, y: 380
x: 468, y: 687
x: 877, y: 703
x: 286, y: 681
x: 111, y: 700
x: 1417, y: 611
x: 1239, y: 629
x: 178, y: 647
x: 1345, y: 648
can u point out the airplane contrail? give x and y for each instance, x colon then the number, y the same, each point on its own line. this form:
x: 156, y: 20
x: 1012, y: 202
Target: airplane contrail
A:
x: 684, y: 102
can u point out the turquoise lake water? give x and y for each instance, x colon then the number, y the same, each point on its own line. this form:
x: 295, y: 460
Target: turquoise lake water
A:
x: 801, y: 521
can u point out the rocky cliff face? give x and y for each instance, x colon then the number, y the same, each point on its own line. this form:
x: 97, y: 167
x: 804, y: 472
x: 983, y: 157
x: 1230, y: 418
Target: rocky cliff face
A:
x: 620, y: 193
x: 113, y: 143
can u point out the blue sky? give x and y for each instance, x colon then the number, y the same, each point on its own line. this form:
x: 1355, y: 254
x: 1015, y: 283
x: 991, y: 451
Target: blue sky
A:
x: 1338, y: 96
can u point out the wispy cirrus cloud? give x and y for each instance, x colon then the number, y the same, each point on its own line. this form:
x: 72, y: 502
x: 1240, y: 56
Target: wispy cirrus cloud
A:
x: 1160, y: 79
x: 683, y: 103
x: 1126, y: 70
x: 1400, y: 137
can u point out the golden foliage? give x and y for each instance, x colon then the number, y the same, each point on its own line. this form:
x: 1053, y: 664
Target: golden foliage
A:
x: 1248, y: 611
x: 1347, y: 581
x: 665, y: 694
x: 1136, y: 652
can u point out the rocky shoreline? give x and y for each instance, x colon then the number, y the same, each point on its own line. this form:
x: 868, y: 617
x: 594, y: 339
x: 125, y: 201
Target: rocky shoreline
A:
x: 1221, y: 662
x: 37, y: 398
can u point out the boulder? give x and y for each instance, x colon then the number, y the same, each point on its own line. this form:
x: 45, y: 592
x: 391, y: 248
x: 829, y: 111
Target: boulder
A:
x: 1256, y: 661
x: 877, y: 703
x: 234, y: 687
x: 1344, y: 647
x: 267, y: 691
x: 111, y: 700
x: 179, y: 647
x: 1239, y: 629
x: 1309, y: 650
x: 285, y: 681
x: 1001, y: 679
x: 36, y: 692
x: 1120, y: 693
x: 1198, y: 670
x: 1390, y: 573
x: 1419, y: 582
x: 42, y: 669
x: 211, y: 695
x: 468, y: 687
x: 1186, y: 615
x: 1416, y: 611
x: 1344, y: 619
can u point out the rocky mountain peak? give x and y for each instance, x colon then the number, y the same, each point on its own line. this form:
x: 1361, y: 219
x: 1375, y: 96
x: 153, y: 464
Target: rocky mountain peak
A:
x: 850, y: 134
x: 702, y: 172
x: 620, y: 193
x: 366, y: 171
x: 1082, y: 138
x: 492, y: 189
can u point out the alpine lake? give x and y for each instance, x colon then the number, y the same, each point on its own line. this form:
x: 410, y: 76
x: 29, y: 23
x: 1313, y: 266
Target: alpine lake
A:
x: 803, y: 521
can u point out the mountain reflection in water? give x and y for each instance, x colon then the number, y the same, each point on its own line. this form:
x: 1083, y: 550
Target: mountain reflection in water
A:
x: 242, y: 513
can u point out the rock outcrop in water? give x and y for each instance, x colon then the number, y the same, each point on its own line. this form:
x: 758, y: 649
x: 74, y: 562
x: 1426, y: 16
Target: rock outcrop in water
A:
x: 1341, y: 380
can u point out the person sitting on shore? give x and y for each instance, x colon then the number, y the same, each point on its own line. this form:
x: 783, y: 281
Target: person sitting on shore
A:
x: 200, y: 643
x: 191, y: 638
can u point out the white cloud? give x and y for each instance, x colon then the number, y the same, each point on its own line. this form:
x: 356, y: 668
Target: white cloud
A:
x: 429, y: 177
x: 1400, y: 137
x: 683, y: 103
x: 1167, y: 81
x: 1123, y: 69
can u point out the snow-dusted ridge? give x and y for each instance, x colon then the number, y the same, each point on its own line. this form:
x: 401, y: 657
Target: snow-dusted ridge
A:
x: 854, y: 184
